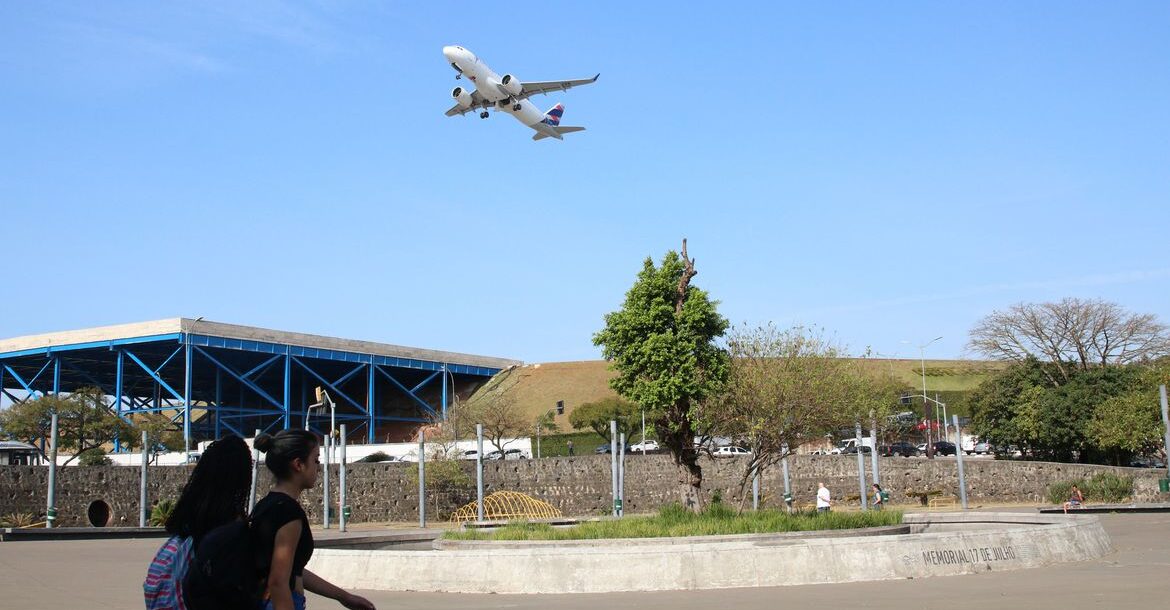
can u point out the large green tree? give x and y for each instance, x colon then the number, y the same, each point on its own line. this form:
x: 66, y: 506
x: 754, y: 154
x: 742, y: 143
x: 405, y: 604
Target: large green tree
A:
x: 662, y: 344
x: 1131, y: 423
x: 597, y: 415
x: 1021, y: 407
x: 84, y: 421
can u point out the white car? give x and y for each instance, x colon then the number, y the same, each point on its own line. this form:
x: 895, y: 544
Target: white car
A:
x: 730, y: 451
x: 648, y: 445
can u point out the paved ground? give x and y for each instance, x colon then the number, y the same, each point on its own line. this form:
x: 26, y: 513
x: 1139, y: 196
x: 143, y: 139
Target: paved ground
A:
x: 108, y: 574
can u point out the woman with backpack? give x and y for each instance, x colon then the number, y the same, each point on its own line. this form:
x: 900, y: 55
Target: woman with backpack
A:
x: 216, y: 494
x: 281, y: 525
x: 879, y: 501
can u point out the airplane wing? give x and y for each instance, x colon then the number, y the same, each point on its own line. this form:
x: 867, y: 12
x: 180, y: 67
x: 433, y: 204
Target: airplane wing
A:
x: 477, y: 102
x: 531, y: 89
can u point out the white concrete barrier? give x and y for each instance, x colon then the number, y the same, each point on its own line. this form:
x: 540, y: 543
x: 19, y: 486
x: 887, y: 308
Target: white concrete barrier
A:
x: 946, y: 544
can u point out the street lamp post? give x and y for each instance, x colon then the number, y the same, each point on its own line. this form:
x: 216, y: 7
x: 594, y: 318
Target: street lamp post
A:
x: 925, y: 398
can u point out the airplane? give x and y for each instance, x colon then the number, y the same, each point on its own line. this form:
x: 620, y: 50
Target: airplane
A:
x: 508, y: 94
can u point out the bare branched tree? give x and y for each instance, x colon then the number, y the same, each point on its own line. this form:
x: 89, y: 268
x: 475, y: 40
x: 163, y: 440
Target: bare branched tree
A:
x: 495, y: 406
x: 1073, y: 334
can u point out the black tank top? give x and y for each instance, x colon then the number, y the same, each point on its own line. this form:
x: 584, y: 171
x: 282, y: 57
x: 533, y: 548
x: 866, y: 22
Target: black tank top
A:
x: 274, y: 512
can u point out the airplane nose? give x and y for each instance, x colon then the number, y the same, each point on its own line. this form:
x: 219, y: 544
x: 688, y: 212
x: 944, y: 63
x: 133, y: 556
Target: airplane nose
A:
x: 450, y: 52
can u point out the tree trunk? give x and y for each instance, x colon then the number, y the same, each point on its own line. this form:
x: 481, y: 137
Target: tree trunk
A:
x: 681, y: 443
x: 690, y: 479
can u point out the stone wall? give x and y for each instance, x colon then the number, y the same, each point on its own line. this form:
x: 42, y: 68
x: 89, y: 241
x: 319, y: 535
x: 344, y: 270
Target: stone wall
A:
x: 577, y: 485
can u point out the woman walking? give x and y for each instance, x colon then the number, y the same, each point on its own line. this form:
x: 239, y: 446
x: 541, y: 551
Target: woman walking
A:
x: 293, y: 456
x: 215, y: 494
x: 878, y: 503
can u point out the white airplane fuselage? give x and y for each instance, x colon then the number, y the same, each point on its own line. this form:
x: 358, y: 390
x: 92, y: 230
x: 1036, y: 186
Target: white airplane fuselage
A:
x: 490, y: 86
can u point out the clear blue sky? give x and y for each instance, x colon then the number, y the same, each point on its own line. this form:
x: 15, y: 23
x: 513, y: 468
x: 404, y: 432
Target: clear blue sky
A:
x: 887, y: 171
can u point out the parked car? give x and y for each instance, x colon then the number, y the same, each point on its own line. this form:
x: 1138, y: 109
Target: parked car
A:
x: 602, y: 449
x: 980, y: 447
x: 648, y: 444
x: 921, y: 447
x: 470, y: 454
x: 730, y: 451
x: 508, y: 454
x: 901, y: 448
x: 1146, y: 461
x: 852, y: 450
x: 945, y: 448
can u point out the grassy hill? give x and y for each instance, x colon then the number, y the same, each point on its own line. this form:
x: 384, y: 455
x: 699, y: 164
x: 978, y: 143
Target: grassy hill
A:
x: 539, y: 386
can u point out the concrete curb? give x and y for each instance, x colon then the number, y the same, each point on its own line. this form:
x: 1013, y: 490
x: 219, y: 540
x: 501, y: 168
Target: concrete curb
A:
x: 944, y: 544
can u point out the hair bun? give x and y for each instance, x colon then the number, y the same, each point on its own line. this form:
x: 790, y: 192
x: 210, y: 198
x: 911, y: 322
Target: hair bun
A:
x: 263, y: 442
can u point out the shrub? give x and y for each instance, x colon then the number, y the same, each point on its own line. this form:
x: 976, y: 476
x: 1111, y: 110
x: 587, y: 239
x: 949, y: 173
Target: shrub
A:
x: 95, y: 457
x: 161, y: 512
x: 1102, y: 487
x: 18, y: 520
x: 377, y: 456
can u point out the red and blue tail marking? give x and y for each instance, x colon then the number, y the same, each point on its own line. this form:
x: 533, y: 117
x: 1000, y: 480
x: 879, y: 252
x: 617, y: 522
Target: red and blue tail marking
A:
x: 553, y: 116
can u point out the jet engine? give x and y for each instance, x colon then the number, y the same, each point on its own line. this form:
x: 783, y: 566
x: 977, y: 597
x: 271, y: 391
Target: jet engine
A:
x: 511, y: 85
x: 462, y: 97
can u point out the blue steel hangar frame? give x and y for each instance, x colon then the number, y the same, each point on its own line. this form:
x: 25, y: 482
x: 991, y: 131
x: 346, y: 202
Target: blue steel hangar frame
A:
x: 211, y: 384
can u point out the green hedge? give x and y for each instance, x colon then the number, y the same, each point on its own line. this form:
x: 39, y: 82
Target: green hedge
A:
x: 1103, y: 487
x: 674, y: 521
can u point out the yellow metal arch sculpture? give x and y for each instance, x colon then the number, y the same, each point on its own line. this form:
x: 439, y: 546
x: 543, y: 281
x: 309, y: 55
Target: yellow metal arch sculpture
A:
x: 505, y: 505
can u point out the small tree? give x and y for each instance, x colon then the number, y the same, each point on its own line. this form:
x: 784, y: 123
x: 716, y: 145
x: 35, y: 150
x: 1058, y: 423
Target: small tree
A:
x: 662, y: 345
x: 597, y: 415
x: 790, y: 387
x: 84, y: 421
x: 162, y: 434
x: 495, y: 407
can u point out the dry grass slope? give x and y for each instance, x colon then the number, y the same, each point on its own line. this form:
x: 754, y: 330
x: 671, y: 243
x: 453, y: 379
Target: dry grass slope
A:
x: 540, y: 386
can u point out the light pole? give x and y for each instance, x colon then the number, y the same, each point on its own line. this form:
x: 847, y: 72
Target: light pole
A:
x: 925, y: 398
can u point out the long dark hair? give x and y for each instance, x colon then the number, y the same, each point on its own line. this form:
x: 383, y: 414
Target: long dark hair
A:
x: 285, y: 446
x: 217, y: 491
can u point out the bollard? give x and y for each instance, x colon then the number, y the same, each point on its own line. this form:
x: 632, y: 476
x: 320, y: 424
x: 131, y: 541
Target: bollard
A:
x: 51, y: 497
x: 422, y: 477
x: 622, y: 475
x: 142, y: 510
x: 861, y: 470
x: 325, y: 489
x: 613, y: 467
x: 874, y: 451
x: 756, y: 489
x: 479, y: 472
x: 342, y: 517
x: 959, y: 458
x: 787, y: 482
x: 1166, y: 426
x: 255, y: 472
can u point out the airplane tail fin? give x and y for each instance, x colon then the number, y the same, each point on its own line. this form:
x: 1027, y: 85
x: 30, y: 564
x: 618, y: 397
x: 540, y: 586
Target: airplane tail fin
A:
x: 561, y: 130
x: 554, y: 114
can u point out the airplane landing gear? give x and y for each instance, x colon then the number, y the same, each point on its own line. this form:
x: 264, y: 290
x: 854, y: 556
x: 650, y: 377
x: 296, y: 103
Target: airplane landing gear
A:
x: 515, y: 107
x: 483, y: 115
